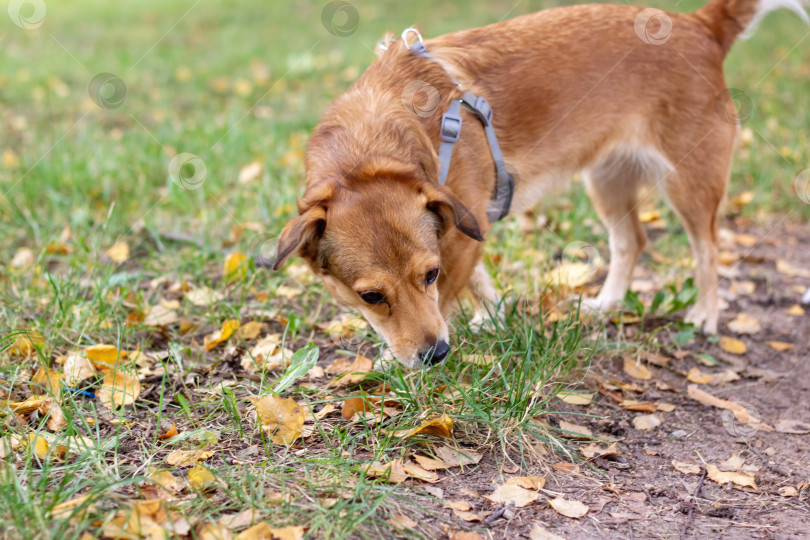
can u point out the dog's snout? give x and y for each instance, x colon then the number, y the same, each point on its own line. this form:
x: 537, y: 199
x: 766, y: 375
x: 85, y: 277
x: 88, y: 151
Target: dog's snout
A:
x: 436, y: 353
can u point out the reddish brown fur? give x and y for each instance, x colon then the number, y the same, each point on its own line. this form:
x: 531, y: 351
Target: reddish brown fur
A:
x: 572, y: 88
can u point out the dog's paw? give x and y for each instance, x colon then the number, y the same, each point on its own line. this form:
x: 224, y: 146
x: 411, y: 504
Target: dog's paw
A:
x: 483, y: 320
x: 597, y: 305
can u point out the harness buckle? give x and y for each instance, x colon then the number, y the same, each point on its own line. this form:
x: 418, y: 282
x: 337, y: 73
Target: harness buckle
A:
x: 484, y: 110
x: 451, y: 127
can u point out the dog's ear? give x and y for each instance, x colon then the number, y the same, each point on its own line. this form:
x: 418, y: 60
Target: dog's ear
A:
x: 451, y: 210
x: 301, y: 232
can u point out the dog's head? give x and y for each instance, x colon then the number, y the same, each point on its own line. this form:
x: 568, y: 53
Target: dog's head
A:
x: 374, y: 242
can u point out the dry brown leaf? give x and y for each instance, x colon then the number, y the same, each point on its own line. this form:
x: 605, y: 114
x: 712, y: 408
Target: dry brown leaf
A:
x: 50, y: 408
x: 795, y: 310
x: 740, y: 413
x: 281, y: 418
x: 167, y: 481
x: 745, y: 324
x: 576, y: 398
x: 27, y: 406
x: 780, y: 346
x: 267, y: 355
x: 511, y: 493
x: 203, y: 296
x: 794, y: 427
x: 686, y: 468
x: 569, y: 508
x: 457, y: 505
x: 746, y: 240
x: 46, y: 381
x: 250, y: 330
x: 535, y: 483
x: 402, y: 522
x: 732, y: 345
x: 573, y: 431
x: 221, y: 335
x: 71, y: 508
x: 646, y: 422
x: 187, y: 458
x: 355, y: 405
x: 118, y: 388
x: 784, y: 267
x: 788, y: 491
x: 214, y: 531
x: 539, y: 532
x: 598, y: 450
x: 458, y: 457
x: 354, y: 373
x: 699, y: 377
x: 241, y: 520
x: 431, y: 464
x: 724, y: 477
x: 441, y: 426
x: 636, y: 370
x: 640, y: 406
x: 393, y: 471
x: 77, y: 368
x: 415, y: 471
x: 160, y: 315
x: 463, y: 535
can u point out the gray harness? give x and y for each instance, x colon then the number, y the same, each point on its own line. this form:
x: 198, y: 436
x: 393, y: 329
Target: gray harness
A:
x: 450, y: 132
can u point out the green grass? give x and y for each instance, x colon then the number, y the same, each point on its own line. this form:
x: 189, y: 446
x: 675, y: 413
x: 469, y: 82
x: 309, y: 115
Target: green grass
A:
x: 234, y: 83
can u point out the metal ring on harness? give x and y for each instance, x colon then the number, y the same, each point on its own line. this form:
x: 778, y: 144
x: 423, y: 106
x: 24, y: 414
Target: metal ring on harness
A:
x: 407, y: 32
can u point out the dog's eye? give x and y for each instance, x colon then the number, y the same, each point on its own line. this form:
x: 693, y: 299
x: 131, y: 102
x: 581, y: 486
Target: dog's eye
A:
x: 372, y: 297
x: 431, y: 275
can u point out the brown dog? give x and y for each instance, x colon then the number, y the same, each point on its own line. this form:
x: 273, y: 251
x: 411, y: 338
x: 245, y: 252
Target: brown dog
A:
x: 624, y: 94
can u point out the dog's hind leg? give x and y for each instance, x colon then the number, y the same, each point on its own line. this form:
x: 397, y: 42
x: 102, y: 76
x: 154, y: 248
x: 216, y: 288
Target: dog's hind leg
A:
x: 613, y: 186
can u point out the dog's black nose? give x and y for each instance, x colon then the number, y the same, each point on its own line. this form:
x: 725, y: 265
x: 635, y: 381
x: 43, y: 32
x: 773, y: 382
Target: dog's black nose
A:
x: 435, y: 354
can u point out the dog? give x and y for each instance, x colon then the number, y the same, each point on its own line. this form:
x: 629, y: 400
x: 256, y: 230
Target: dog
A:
x: 625, y: 95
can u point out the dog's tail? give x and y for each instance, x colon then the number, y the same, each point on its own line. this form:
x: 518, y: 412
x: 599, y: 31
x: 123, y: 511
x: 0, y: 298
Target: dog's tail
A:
x: 733, y: 19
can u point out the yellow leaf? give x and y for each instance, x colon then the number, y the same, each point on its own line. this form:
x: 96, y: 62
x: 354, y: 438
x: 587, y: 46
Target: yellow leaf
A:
x: 353, y: 373
x: 724, y: 477
x: 10, y: 159
x: 281, y: 418
x: 636, y: 370
x: 784, y: 267
x: 187, y: 458
x: 46, y: 381
x: 250, y: 330
x: 393, y: 471
x: 569, y: 508
x: 576, y: 398
x: 118, y: 388
x: 441, y: 426
x: 415, y: 471
x: 119, y: 252
x: 431, y: 464
x: 22, y: 259
x: 528, y: 482
x: 201, y: 478
x: 647, y: 217
x: 732, y: 345
x: 795, y: 311
x: 42, y: 447
x: 222, y: 335
x: 510, y: 493
x: 235, y: 267
x: 745, y: 324
x: 26, y: 342
x: 104, y: 356
x: 780, y: 346
x: 697, y: 376
x: 26, y: 407
x: 743, y: 198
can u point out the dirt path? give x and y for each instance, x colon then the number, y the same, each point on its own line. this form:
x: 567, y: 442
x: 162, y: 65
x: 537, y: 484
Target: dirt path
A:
x: 640, y: 493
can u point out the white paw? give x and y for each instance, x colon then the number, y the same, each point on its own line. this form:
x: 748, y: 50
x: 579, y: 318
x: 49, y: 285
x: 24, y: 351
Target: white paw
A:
x: 701, y: 317
x: 597, y: 305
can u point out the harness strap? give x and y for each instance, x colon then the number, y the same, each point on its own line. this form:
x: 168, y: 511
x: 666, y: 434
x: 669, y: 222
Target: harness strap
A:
x: 450, y: 132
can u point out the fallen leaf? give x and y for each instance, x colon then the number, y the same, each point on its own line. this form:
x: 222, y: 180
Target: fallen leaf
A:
x: 171, y: 432
x: 788, y: 491
x: 73, y: 508
x: 214, y: 531
x: 795, y: 311
x: 241, y: 520
x: 187, y: 458
x: 784, y: 267
x: 646, y: 422
x: 250, y: 172
x: 250, y: 330
x: 235, y: 266
x: 160, y: 315
x: 267, y: 355
x: 745, y: 324
x: 281, y: 418
x: 104, y: 356
x: 457, y: 505
x: 576, y: 398
x: 746, y: 240
x: 640, y: 406
x: 402, y: 522
x: 574, y: 431
x: 512, y: 494
x: 203, y: 296
x: 119, y: 252
x: 441, y: 426
x: 167, y: 481
x: 25, y: 344
x: 686, y: 468
x: 699, y: 377
x: 458, y: 457
x: 415, y: 471
x: 354, y: 373
x: 732, y: 345
x: 50, y: 408
x: 569, y: 508
x: 724, y: 477
x: 393, y: 471
x: 636, y: 369
x: 118, y: 388
x: 528, y: 482
x: 539, y: 532
x: 77, y: 368
x: 27, y: 406
x: 780, y: 346
x: 222, y: 335
x: 431, y: 464
x: 46, y: 381
x: 794, y: 427
x: 740, y: 413
x: 23, y: 258
x: 597, y: 450
x: 200, y: 478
